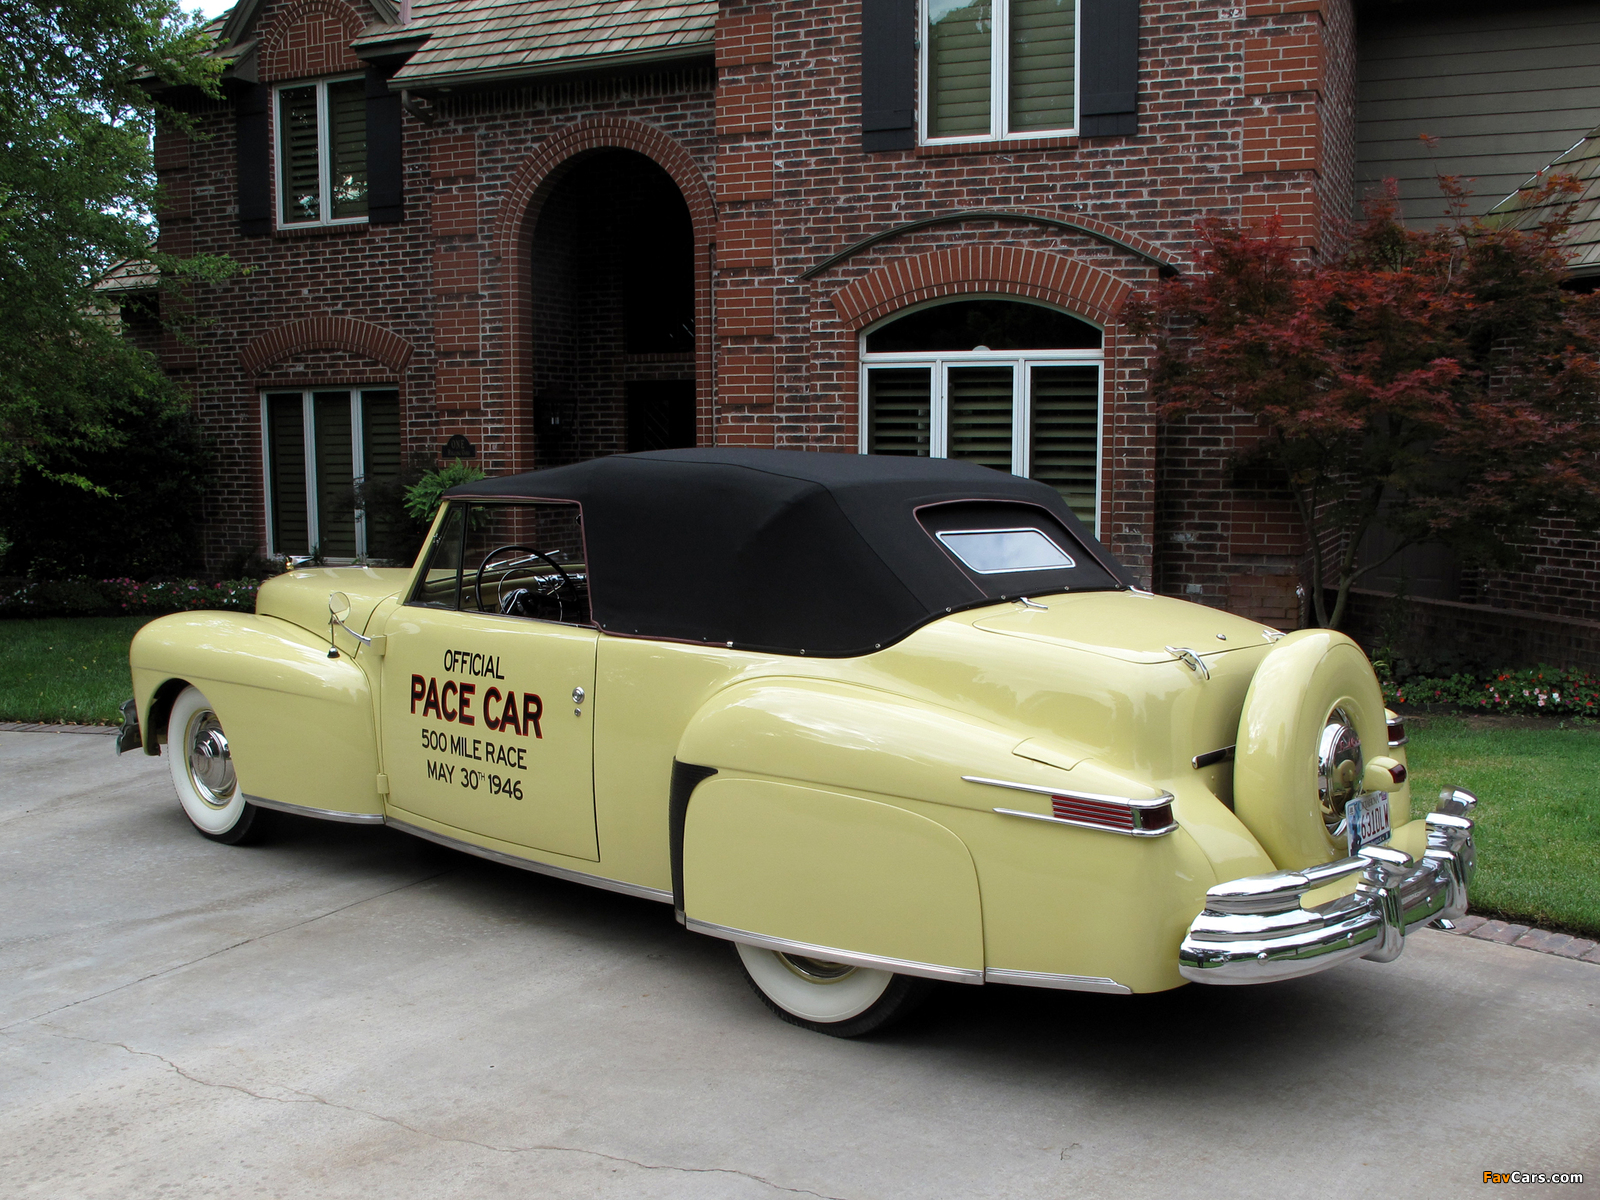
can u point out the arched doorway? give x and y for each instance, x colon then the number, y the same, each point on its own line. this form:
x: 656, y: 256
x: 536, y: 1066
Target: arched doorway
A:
x: 613, y: 325
x: 1011, y: 384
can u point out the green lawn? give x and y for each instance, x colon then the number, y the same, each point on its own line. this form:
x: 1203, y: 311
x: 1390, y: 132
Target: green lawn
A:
x: 72, y: 669
x: 1538, y: 833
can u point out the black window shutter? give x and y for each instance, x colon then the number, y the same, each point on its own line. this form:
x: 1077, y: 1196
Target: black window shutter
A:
x: 1108, y: 57
x: 253, y: 131
x: 888, y: 74
x: 385, y: 183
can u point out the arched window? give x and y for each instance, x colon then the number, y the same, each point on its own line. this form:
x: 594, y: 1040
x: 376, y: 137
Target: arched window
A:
x: 1006, y: 383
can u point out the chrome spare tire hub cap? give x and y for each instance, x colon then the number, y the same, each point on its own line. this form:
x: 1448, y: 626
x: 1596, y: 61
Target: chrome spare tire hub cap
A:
x: 210, y: 763
x: 1339, y: 769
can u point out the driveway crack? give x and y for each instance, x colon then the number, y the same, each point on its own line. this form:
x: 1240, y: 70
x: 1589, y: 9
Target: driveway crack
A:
x: 300, y: 1096
x: 255, y: 937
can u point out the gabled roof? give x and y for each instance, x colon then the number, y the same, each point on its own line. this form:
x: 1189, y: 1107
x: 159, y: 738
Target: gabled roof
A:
x: 1582, y: 162
x: 473, y: 40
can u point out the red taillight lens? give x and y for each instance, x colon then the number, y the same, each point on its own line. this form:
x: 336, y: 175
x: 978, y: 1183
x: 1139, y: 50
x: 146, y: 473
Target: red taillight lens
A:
x: 1093, y: 812
x: 1398, y: 773
x: 1155, y: 818
x: 1397, y: 732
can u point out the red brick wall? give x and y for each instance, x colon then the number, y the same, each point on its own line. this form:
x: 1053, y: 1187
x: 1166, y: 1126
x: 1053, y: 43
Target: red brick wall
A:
x: 768, y: 161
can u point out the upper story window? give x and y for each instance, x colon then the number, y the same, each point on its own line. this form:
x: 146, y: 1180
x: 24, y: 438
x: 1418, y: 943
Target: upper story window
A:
x: 998, y: 69
x: 322, y: 152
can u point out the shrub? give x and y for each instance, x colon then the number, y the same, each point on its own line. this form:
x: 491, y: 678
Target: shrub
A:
x: 144, y: 520
x: 1534, y: 691
x: 125, y: 597
x: 423, y: 497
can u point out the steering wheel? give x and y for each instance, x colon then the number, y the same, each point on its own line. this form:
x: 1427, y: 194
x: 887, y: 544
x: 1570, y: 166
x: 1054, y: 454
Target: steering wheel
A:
x: 529, y: 553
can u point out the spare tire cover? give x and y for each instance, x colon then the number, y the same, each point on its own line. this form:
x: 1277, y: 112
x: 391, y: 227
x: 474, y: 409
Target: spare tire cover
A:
x: 1305, y: 678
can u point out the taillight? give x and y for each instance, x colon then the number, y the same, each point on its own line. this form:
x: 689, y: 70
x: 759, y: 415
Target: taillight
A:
x: 1397, y: 732
x: 1093, y: 812
x: 1114, y: 814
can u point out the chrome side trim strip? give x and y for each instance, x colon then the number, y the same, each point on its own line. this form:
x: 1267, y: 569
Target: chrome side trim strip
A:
x: 322, y: 814
x: 876, y: 962
x: 1017, y: 812
x: 529, y: 864
x: 1067, y: 983
x: 1164, y: 798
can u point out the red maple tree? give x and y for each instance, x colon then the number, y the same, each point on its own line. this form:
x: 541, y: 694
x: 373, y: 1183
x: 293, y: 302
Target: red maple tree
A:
x: 1441, y: 381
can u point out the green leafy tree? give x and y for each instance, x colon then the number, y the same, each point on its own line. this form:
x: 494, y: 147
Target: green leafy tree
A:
x: 1440, y: 381
x: 77, y: 196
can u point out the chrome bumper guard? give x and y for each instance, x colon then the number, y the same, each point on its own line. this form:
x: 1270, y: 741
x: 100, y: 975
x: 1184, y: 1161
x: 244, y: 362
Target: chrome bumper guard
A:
x: 1255, y: 930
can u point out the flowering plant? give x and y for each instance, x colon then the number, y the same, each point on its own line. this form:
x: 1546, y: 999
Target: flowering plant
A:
x: 1537, y: 691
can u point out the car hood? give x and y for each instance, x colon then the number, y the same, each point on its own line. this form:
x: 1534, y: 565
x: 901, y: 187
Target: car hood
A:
x: 301, y: 597
x: 1132, y: 626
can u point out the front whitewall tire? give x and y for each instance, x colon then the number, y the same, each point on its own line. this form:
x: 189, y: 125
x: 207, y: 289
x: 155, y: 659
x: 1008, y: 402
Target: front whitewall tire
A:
x: 203, y: 771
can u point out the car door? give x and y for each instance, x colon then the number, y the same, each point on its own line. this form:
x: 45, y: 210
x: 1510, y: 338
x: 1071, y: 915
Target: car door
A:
x: 488, y: 681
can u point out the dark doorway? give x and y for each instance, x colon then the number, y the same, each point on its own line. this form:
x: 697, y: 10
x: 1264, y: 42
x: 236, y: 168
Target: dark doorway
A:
x: 660, y: 414
x: 613, y: 307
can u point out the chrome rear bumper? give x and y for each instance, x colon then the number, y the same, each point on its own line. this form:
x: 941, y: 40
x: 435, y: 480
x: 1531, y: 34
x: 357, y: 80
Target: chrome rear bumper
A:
x: 1255, y: 930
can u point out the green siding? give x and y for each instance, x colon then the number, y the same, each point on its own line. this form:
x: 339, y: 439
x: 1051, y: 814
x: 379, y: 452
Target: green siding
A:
x: 1505, y: 90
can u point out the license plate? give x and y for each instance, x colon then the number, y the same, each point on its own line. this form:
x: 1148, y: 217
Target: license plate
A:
x: 1367, y: 820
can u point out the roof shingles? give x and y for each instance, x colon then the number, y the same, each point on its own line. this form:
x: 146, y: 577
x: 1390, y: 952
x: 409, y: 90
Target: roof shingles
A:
x: 470, y: 39
x: 1583, y: 239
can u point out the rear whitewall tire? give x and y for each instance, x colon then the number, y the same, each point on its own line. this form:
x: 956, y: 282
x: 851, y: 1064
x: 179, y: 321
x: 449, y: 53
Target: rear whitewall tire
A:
x: 203, y: 772
x: 830, y: 998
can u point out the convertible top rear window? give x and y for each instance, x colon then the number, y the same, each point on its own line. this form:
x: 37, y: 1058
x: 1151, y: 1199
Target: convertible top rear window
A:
x: 1013, y: 549
x: 798, y: 553
x: 998, y: 551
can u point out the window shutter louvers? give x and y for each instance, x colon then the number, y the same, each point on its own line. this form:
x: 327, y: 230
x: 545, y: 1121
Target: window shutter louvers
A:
x: 385, y: 180
x: 888, y: 74
x: 252, y: 131
x: 1109, y: 73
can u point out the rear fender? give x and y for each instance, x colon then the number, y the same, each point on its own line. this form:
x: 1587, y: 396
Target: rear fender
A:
x: 299, y: 724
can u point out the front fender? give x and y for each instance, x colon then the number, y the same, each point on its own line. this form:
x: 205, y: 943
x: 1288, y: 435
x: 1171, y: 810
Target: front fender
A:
x: 299, y: 724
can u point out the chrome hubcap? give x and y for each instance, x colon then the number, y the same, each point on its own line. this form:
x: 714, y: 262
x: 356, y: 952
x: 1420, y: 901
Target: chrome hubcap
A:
x: 210, y: 762
x: 815, y: 970
x: 1339, y: 768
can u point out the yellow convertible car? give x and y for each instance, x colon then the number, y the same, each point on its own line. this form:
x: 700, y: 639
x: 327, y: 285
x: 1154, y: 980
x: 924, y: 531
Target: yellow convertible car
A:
x: 875, y: 721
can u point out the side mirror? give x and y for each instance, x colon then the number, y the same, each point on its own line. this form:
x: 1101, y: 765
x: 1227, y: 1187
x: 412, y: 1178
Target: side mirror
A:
x: 338, y: 610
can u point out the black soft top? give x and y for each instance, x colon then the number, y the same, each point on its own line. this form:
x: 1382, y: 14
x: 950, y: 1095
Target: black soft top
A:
x: 796, y: 552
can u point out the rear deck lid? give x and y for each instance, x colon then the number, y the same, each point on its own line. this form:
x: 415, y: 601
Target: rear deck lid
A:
x: 1131, y: 626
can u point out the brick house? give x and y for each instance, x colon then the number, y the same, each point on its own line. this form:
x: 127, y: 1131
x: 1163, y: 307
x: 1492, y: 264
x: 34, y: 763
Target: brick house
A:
x: 557, y: 229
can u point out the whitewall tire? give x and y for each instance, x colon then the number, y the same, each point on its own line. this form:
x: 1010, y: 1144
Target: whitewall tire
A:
x: 203, y: 772
x: 828, y: 997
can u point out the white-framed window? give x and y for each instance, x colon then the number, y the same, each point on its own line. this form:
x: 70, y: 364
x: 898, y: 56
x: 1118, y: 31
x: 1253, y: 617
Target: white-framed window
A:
x: 1010, y: 384
x: 322, y: 151
x: 317, y: 446
x: 998, y: 69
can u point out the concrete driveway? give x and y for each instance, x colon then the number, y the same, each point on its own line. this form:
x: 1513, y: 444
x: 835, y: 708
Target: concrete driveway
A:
x: 350, y: 1012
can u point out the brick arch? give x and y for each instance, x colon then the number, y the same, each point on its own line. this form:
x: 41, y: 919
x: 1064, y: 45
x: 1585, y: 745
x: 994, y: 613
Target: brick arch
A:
x: 326, y: 333
x: 512, y: 245
x: 326, y: 28
x: 964, y: 270
x: 519, y: 212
